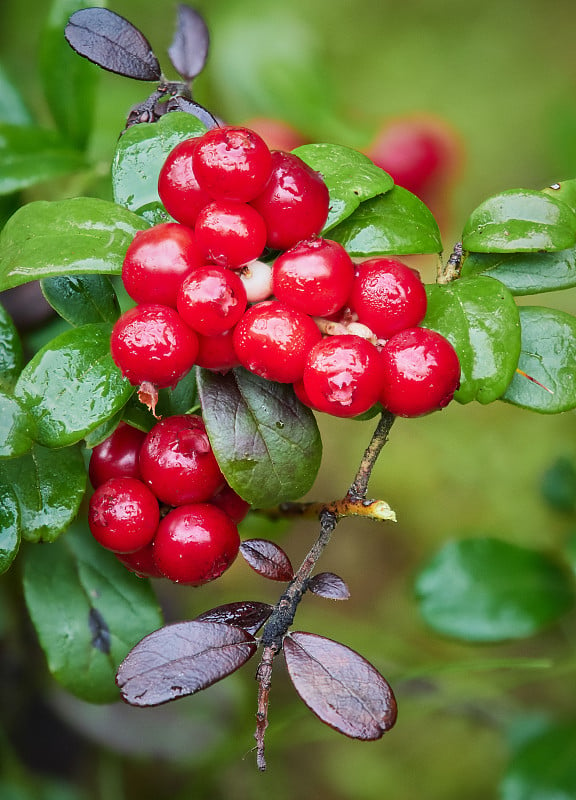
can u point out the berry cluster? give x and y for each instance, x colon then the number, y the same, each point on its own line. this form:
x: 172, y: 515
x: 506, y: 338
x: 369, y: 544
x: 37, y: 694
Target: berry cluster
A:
x: 161, y: 503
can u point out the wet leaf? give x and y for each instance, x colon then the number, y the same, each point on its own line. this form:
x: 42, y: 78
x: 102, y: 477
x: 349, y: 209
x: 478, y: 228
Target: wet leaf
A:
x: 182, y: 659
x: 82, y: 299
x: 10, y: 530
x: 543, y: 768
x: 11, y: 354
x: 17, y: 428
x: 267, y: 559
x: 247, y: 614
x: 525, y: 273
x: 338, y: 685
x: 189, y: 47
x: 329, y: 585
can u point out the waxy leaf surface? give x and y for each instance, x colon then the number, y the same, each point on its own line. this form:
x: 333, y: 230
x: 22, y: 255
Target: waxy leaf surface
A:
x: 267, y: 559
x: 247, y: 614
x: 82, y: 299
x: 564, y: 191
x: 525, y: 273
x: 329, y: 586
x: 11, y: 354
x: 17, y: 428
x: 189, y: 47
x: 543, y: 768
x: 10, y: 531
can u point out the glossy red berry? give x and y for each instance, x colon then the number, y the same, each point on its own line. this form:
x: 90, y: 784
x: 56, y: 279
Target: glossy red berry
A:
x: 141, y: 562
x: 388, y: 296
x: 421, y: 372
x: 152, y: 343
x: 195, y: 544
x: 294, y: 203
x: 232, y: 163
x: 123, y: 515
x: 116, y: 456
x: 177, y: 462
x: 211, y: 300
x: 217, y: 353
x: 315, y: 276
x: 230, y: 233
x: 157, y: 261
x: 273, y: 340
x: 343, y: 376
x: 231, y: 502
x: 178, y: 188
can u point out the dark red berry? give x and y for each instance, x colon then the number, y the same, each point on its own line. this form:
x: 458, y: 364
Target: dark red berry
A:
x: 123, y: 515
x: 116, y: 456
x: 217, y: 353
x: 178, y: 188
x: 231, y: 502
x: 211, y: 300
x: 141, y: 562
x: 230, y: 233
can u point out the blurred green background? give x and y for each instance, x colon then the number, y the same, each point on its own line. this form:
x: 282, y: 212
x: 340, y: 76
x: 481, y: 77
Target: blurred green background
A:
x: 503, y: 74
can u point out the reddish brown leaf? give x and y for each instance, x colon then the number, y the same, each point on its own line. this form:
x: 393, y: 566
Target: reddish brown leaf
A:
x: 182, y: 659
x: 247, y: 614
x: 267, y: 559
x: 330, y: 586
x: 343, y: 689
x: 189, y: 47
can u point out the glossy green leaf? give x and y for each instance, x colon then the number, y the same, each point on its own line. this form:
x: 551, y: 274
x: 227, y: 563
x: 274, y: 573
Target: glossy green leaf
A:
x: 564, y: 191
x: 49, y: 486
x: 520, y: 220
x: 103, y: 431
x: 11, y: 355
x: 88, y: 611
x: 488, y: 590
x: 83, y: 235
x: 526, y: 273
x: 548, y: 355
x: 544, y: 768
x: 13, y: 110
x: 16, y: 428
x: 351, y: 177
x: 480, y: 319
x: 140, y: 154
x: 82, y: 299
x: 266, y: 442
x: 72, y: 385
x: 9, y: 527
x: 396, y: 223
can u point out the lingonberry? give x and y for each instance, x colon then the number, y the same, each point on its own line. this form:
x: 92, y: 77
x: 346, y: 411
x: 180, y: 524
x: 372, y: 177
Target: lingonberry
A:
x: 343, y: 375
x: 421, y: 372
x: 116, y: 456
x: 314, y: 276
x: 157, y: 261
x: 273, y: 340
x: 294, y: 203
x: 195, y: 544
x: 177, y: 462
x: 257, y: 279
x: 178, y: 188
x: 217, y: 353
x: 123, y: 515
x: 231, y: 502
x: 387, y: 296
x: 232, y: 163
x: 141, y: 562
x: 230, y: 233
x: 211, y: 300
x: 152, y: 343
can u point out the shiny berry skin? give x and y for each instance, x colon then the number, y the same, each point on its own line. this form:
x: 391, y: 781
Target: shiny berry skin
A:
x: 195, y: 544
x: 211, y: 300
x: 231, y: 502
x: 177, y: 462
x: 116, y: 456
x: 178, y: 188
x: 123, y: 515
x: 157, y: 261
x: 294, y: 203
x: 141, y: 562
x: 343, y: 376
x: 315, y: 276
x: 230, y: 234
x: 273, y: 340
x: 217, y: 353
x: 232, y: 163
x: 388, y: 296
x: 421, y: 372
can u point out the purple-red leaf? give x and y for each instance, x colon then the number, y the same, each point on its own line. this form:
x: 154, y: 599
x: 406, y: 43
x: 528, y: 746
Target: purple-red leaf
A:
x: 267, y: 559
x: 189, y: 47
x: 343, y: 689
x: 182, y: 659
x: 329, y: 585
x: 247, y: 614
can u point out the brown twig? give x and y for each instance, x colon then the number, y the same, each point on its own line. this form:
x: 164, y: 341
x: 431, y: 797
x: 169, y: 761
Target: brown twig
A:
x: 451, y: 270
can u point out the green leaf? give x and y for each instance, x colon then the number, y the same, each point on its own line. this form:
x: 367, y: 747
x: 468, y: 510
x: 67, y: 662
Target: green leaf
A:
x: 558, y: 486
x: 396, y: 223
x: 564, y: 191
x: 88, y: 610
x: 102, y: 432
x: 82, y: 299
x: 9, y: 527
x: 488, y: 590
x: 266, y: 442
x: 11, y: 355
x: 17, y: 428
x: 526, y: 273
x: 544, y: 768
x: 548, y: 355
x: 520, y: 220
x: 351, y: 177
x: 13, y: 110
x: 480, y: 319
x: 49, y: 486
x: 140, y: 154
x: 82, y: 235
x: 72, y: 385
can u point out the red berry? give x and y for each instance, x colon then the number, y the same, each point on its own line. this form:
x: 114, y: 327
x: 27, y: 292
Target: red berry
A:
x: 388, y: 296
x: 294, y: 203
x: 230, y: 233
x: 116, y: 456
x: 421, y: 372
x: 232, y: 163
x: 343, y: 375
x: 217, y: 353
x: 157, y: 261
x: 141, y: 562
x: 178, y: 188
x: 211, y: 300
x: 152, y: 343
x: 231, y: 503
x: 314, y: 276
x: 177, y: 462
x: 123, y: 515
x: 273, y: 340
x: 195, y: 544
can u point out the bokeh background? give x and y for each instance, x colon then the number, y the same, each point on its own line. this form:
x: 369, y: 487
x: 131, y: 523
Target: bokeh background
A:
x: 503, y: 76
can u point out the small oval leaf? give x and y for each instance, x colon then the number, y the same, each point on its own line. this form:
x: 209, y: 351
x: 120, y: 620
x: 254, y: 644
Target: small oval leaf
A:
x: 10, y: 530
x: 329, y: 585
x: 11, y: 353
x: 525, y: 273
x: 189, y: 47
x: 17, y: 428
x: 82, y: 299
x: 267, y: 559
x: 247, y: 614
x: 338, y: 685
x: 181, y: 659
